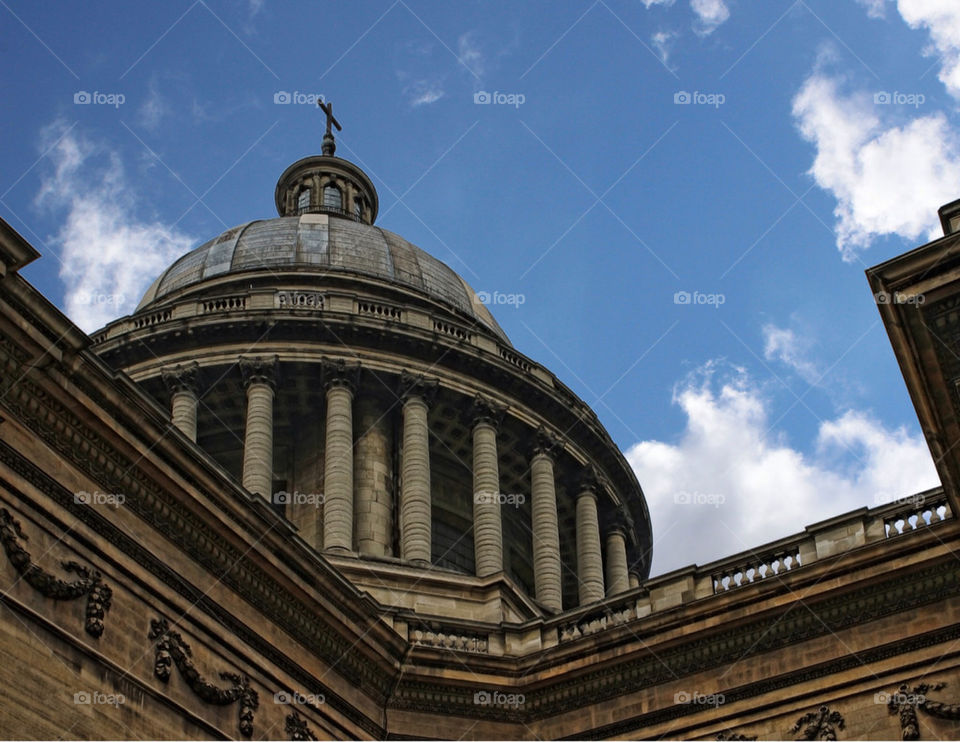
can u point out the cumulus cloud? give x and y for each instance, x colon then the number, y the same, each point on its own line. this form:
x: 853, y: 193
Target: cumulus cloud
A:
x: 710, y: 15
x: 109, y: 253
x: 886, y: 179
x: 727, y: 485
x: 941, y: 18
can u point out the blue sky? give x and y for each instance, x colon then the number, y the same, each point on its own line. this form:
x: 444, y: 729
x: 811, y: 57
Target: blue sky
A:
x: 756, y: 155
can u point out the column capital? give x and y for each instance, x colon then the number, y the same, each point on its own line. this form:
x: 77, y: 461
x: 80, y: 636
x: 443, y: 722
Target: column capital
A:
x: 259, y: 370
x: 589, y: 481
x: 545, y: 443
x: 339, y: 373
x: 484, y: 410
x: 616, y: 522
x: 417, y: 385
x: 182, y: 377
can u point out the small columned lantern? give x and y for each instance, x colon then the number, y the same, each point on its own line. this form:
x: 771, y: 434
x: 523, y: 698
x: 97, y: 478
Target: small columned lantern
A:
x: 327, y: 184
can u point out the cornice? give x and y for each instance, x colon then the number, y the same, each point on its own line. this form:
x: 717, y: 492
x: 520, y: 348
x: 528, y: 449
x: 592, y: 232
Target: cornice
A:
x: 774, y: 630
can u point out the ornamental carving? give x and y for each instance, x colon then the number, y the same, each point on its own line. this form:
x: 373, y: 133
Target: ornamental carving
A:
x: 259, y: 369
x: 821, y: 724
x: 545, y: 443
x: 340, y: 373
x: 172, y: 649
x: 485, y: 410
x: 729, y: 736
x: 417, y: 385
x: 99, y: 595
x: 906, y: 700
x: 297, y: 729
x: 182, y: 377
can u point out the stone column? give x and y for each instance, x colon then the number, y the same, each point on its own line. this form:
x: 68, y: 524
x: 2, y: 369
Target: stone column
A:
x: 415, y: 506
x: 546, y: 533
x: 589, y: 558
x: 259, y: 377
x: 182, y: 381
x: 618, y: 580
x: 340, y: 381
x: 487, y: 525
x: 373, y: 478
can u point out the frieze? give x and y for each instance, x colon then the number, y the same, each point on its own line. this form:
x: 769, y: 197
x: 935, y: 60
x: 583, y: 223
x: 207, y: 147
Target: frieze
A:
x: 907, y: 699
x: 99, y: 595
x: 297, y: 729
x: 821, y: 724
x: 171, y: 649
x: 168, y: 576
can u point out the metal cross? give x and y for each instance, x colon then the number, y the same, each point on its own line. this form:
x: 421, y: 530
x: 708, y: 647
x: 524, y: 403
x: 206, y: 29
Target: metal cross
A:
x: 327, y: 108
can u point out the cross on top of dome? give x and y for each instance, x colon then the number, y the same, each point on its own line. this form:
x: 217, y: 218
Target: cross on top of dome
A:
x: 327, y: 184
x: 329, y: 144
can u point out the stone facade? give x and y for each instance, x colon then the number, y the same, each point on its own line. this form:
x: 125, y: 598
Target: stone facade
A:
x: 238, y: 539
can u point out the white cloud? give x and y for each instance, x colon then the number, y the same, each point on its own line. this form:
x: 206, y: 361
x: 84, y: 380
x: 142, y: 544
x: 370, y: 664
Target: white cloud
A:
x: 887, y: 180
x: 942, y: 19
x: 424, y: 92
x: 875, y: 8
x: 153, y: 109
x: 784, y: 345
x: 663, y: 41
x: 710, y: 15
x: 651, y: 3
x: 109, y: 253
x: 469, y: 52
x: 769, y: 489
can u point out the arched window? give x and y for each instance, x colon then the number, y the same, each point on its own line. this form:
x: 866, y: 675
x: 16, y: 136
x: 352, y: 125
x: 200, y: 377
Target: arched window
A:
x: 358, y: 207
x: 332, y: 198
x: 303, y: 200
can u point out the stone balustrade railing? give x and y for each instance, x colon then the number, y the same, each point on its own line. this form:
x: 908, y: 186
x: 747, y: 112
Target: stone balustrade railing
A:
x: 298, y: 301
x: 821, y: 540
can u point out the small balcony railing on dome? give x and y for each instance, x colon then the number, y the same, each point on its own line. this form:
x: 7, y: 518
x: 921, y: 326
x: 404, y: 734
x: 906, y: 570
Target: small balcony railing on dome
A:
x: 335, y: 210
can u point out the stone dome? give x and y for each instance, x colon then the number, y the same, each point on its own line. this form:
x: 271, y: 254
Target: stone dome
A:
x: 326, y: 245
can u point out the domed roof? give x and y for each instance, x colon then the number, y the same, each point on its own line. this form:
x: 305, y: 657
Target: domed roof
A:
x: 319, y: 243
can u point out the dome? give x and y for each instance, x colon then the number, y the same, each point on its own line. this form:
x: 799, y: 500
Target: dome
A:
x: 322, y: 244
